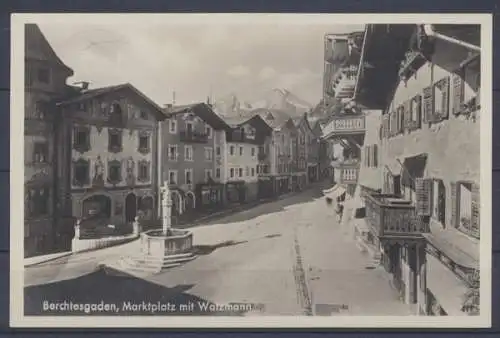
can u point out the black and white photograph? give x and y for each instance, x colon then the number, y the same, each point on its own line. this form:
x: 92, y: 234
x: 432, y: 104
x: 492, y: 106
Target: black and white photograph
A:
x: 251, y: 170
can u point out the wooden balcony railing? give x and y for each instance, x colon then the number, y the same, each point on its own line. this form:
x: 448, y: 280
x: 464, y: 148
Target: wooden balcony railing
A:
x: 345, y: 125
x: 193, y: 137
x: 392, y: 216
x: 349, y: 175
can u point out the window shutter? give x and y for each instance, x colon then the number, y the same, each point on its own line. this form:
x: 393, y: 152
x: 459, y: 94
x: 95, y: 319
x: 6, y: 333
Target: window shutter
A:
x: 454, y: 204
x: 407, y: 115
x: 375, y: 156
x: 458, y: 92
x: 441, y: 202
x: 423, y: 190
x: 475, y: 213
x: 368, y: 159
x: 428, y: 104
x: 386, y: 126
x: 418, y: 103
x: 445, y: 88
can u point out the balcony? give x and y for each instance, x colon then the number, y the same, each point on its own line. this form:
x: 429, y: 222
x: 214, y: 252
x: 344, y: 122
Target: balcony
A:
x: 346, y: 164
x: 261, y: 156
x: 347, y: 124
x: 193, y: 137
x: 390, y: 216
x: 344, y: 82
x: 349, y: 175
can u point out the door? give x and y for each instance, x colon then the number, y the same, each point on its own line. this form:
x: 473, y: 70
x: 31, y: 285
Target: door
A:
x: 130, y: 208
x: 189, y: 128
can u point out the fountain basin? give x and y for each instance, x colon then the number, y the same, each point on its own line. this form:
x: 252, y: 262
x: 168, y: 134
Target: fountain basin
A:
x: 158, y: 244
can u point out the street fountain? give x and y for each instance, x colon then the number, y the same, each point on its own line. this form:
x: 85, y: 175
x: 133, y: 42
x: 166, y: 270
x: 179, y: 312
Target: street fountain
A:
x: 161, y: 249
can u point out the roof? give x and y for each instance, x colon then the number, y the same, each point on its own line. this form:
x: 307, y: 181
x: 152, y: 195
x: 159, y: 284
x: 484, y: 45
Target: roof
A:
x: 38, y: 48
x: 203, y: 110
x: 466, y: 33
x: 384, y: 47
x: 273, y: 117
x: 93, y: 93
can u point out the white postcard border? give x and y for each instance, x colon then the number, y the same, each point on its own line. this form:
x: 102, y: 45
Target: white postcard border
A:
x: 17, y: 318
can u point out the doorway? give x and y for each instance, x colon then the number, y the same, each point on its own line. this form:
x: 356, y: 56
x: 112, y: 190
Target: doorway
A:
x: 130, y: 207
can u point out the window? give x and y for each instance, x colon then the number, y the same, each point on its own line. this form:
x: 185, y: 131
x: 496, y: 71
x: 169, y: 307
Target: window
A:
x: 172, y: 152
x: 231, y: 150
x: 114, y: 172
x: 143, y: 115
x: 172, y: 177
x: 40, y: 152
x: 441, y: 101
x: 208, y: 154
x: 240, y: 172
x: 253, y: 171
x: 438, y: 202
x: 188, y: 176
x: 172, y: 127
x: 81, y: 140
x: 208, y: 175
x: 143, y: 175
x: 43, y: 75
x: 208, y: 131
x: 81, y: 173
x: 241, y: 151
x: 144, y: 143
x: 37, y: 202
x: 188, y: 153
x: 115, y: 140
x: 231, y: 172
x: 465, y: 207
x: 217, y: 151
x: 217, y: 172
x: 116, y: 114
x: 247, y: 171
x: 253, y: 151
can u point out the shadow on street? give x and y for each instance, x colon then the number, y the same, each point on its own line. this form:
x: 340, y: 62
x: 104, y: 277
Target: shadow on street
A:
x: 129, y: 295
x: 270, y: 207
x: 208, y: 249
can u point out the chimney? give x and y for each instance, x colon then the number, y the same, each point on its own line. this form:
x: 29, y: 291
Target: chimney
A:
x: 83, y: 85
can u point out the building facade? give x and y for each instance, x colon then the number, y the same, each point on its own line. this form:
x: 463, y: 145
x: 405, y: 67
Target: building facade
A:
x: 108, y: 158
x: 45, y: 81
x: 243, y: 143
x: 191, y: 158
x: 429, y: 155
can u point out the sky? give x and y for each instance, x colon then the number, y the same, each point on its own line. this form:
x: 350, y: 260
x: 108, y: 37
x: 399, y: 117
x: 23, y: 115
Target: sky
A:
x: 198, y: 59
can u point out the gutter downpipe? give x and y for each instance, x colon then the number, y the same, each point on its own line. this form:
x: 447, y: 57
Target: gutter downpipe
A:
x: 429, y: 31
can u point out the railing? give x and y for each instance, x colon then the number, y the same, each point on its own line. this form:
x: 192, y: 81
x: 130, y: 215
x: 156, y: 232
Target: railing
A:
x: 349, y: 175
x: 346, y: 164
x: 194, y: 137
x: 389, y: 215
x: 345, y: 124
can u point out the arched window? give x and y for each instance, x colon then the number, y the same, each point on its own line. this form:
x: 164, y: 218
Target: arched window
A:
x: 116, y: 114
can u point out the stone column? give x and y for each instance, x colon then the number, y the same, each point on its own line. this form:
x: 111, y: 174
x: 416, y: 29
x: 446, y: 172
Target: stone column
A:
x: 166, y: 204
x: 136, y: 226
x: 77, y: 228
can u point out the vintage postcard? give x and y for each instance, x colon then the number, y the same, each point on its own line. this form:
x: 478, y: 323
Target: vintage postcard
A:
x: 251, y: 170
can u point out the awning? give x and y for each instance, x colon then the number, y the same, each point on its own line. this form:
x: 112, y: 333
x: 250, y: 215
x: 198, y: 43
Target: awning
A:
x: 448, y: 289
x: 334, y: 192
x: 413, y: 167
x: 457, y: 249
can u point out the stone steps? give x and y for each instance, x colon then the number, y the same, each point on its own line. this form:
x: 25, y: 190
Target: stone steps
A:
x: 148, y: 264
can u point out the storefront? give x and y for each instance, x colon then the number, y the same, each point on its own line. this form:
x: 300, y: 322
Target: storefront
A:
x: 235, y: 192
x: 265, y: 187
x: 283, y: 185
x: 209, y: 196
x: 445, y: 290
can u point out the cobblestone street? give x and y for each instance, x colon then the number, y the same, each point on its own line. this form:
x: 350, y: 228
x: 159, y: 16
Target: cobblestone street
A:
x: 288, y: 255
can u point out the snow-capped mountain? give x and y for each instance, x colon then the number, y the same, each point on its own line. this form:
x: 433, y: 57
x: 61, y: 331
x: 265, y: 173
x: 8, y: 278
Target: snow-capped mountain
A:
x: 278, y: 99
